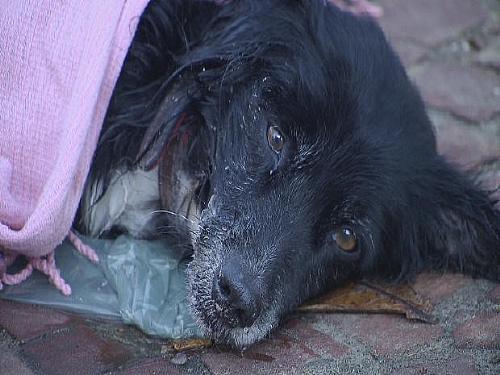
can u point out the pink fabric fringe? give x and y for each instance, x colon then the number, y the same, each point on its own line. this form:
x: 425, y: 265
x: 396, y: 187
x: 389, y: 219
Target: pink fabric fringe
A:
x: 46, y: 265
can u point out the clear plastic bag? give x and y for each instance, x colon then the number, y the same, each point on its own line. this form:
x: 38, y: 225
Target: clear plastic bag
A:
x: 141, y: 282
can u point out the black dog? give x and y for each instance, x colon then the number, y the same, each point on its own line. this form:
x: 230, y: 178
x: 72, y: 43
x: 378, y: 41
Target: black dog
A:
x: 287, y: 147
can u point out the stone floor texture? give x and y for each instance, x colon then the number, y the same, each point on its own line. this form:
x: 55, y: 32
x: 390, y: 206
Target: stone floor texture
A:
x: 452, y: 51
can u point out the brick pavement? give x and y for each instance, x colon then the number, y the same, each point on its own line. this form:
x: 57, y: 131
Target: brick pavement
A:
x: 452, y: 51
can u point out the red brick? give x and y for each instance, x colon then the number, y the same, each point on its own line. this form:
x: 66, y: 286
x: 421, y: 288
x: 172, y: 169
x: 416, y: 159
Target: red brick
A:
x: 278, y: 355
x: 482, y: 332
x: 76, y: 351
x: 467, y: 147
x: 465, y: 91
x: 293, y: 345
x: 460, y: 366
x: 25, y: 321
x: 10, y: 362
x: 414, y: 27
x: 156, y: 366
x: 429, y: 22
x: 439, y: 287
x: 321, y: 344
x: 387, y: 334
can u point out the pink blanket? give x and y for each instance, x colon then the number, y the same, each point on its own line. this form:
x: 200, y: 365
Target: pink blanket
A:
x: 59, y: 61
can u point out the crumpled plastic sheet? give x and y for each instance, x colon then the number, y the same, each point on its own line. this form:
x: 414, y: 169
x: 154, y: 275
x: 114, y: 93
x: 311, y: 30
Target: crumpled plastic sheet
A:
x: 141, y: 282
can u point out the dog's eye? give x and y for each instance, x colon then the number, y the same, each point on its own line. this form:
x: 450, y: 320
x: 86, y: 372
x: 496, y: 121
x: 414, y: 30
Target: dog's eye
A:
x: 345, y: 239
x: 275, y: 138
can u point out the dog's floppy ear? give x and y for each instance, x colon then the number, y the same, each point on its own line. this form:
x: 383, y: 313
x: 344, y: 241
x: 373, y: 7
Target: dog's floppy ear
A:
x: 463, y: 233
x: 170, y: 115
x: 179, y: 93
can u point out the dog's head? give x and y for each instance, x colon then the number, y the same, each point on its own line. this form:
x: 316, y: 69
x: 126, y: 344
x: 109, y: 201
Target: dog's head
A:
x: 310, y: 160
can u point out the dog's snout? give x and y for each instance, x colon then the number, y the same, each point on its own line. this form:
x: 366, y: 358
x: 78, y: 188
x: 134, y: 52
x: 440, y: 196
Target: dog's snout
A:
x: 236, y: 295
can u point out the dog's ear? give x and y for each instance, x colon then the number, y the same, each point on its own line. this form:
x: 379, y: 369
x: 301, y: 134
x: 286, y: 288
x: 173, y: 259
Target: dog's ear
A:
x: 440, y: 220
x: 462, y: 232
x: 179, y: 94
x: 171, y: 113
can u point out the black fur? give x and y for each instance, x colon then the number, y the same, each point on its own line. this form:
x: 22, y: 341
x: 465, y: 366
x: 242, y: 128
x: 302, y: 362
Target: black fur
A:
x: 359, y: 153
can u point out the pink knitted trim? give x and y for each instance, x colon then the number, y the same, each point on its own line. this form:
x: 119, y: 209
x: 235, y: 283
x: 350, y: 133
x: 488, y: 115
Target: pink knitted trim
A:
x: 6, y: 259
x: 45, y: 264
x: 19, y: 277
x: 83, y: 249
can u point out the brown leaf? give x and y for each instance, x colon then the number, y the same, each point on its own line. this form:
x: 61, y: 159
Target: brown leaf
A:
x: 188, y: 344
x: 364, y: 297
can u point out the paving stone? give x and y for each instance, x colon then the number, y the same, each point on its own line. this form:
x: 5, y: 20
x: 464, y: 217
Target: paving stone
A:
x: 429, y: 22
x: 156, y: 366
x: 10, y: 362
x: 410, y: 53
x: 25, y: 322
x: 467, y: 147
x: 482, y: 332
x: 388, y: 334
x: 413, y: 27
x: 319, y: 342
x: 293, y: 345
x: 277, y: 355
x: 462, y: 366
x: 76, y: 351
x: 465, y: 91
x: 439, y: 287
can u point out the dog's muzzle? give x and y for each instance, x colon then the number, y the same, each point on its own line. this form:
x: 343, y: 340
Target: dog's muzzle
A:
x: 236, y: 295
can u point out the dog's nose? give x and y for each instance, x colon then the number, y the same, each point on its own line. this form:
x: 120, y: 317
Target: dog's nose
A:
x: 236, y: 295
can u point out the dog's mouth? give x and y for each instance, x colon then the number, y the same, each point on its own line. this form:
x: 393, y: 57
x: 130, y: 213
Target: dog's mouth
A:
x: 216, y: 319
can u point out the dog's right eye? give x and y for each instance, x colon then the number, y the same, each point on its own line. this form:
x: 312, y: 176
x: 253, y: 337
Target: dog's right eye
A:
x: 275, y: 138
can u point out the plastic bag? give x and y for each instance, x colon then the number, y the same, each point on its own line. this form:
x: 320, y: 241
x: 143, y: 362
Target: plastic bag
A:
x: 141, y: 282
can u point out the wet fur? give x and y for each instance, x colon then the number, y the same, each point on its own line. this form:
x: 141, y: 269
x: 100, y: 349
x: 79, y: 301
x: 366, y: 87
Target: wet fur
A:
x: 360, y: 152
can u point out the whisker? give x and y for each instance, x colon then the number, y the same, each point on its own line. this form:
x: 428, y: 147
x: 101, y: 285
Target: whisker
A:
x: 173, y: 229
x: 173, y: 214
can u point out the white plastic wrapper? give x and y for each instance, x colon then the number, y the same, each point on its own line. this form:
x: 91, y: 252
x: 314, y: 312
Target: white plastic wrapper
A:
x: 141, y: 282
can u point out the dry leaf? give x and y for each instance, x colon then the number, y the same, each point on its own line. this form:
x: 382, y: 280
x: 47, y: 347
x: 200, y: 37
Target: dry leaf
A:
x: 188, y: 344
x: 364, y: 297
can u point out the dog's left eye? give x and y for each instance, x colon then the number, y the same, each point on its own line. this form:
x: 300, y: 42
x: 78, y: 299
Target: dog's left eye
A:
x: 275, y: 138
